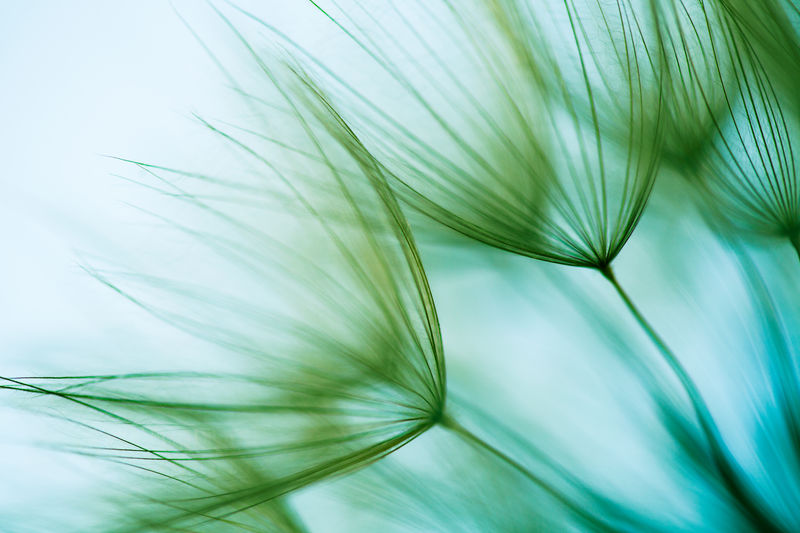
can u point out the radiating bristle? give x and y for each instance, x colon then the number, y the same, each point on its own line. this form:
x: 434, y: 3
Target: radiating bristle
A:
x: 654, y: 388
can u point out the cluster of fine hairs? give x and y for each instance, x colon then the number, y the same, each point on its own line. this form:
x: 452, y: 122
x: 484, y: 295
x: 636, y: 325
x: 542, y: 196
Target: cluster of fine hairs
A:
x: 558, y: 132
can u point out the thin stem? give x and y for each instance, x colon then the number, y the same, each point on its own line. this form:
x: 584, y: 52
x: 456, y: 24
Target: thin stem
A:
x: 675, y: 365
x: 725, y: 465
x: 597, y: 523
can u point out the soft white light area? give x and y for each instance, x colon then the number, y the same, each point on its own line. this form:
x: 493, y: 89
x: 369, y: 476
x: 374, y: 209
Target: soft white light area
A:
x: 83, y: 80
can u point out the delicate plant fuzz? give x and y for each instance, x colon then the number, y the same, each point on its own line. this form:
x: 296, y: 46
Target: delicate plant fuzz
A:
x: 309, y: 345
x: 352, y: 371
x: 516, y: 156
x: 694, y: 58
x: 573, y: 228
x: 749, y: 173
x: 349, y: 373
x: 771, y: 27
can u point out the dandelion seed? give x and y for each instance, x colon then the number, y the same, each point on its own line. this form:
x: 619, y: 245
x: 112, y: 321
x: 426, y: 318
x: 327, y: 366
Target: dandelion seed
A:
x: 592, y: 117
x: 350, y: 372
